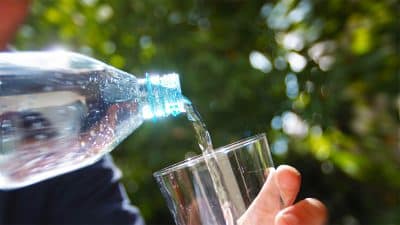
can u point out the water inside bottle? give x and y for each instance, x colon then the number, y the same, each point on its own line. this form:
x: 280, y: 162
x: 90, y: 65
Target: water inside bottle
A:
x: 52, y: 123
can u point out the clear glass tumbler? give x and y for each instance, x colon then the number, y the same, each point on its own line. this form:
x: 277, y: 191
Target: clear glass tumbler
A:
x: 194, y: 199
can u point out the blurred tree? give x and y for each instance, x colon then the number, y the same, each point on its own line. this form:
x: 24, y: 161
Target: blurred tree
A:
x: 320, y: 77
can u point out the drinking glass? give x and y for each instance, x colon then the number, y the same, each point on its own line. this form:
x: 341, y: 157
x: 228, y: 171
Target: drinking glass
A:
x: 196, y: 197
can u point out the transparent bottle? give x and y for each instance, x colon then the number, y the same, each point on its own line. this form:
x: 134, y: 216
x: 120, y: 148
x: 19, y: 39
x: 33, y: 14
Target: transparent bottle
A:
x: 60, y: 111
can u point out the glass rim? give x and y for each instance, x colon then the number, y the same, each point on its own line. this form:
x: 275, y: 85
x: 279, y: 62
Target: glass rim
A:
x: 198, y: 158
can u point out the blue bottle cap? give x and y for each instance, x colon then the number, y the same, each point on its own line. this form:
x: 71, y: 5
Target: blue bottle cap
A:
x: 164, y: 96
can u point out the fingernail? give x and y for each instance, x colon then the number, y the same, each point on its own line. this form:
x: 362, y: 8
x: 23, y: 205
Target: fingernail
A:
x: 289, y: 219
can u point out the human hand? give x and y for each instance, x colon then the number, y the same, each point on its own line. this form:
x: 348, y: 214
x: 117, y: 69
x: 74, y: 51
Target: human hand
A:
x: 285, y: 181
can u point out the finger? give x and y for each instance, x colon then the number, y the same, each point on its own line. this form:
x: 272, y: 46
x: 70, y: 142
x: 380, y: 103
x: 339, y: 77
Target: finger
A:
x: 288, y: 180
x: 306, y: 212
x: 266, y: 205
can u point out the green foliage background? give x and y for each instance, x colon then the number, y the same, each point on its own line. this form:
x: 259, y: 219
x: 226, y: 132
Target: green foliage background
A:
x: 344, y: 101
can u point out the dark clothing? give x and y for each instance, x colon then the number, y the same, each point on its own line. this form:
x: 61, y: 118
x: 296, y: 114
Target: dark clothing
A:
x: 91, y: 195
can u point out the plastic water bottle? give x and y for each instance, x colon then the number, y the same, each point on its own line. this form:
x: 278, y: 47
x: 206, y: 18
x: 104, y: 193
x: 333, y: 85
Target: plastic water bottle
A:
x: 60, y: 111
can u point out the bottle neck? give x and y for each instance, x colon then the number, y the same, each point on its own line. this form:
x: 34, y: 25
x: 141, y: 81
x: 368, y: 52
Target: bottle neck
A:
x: 162, y: 96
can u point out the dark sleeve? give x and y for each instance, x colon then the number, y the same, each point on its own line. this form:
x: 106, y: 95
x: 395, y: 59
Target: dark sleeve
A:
x: 92, y: 195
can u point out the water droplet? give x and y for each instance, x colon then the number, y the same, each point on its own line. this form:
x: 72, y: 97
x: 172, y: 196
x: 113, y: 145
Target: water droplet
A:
x: 61, y: 111
x: 72, y: 108
x: 37, y: 125
x: 40, y: 137
x: 6, y: 124
x: 48, y: 88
